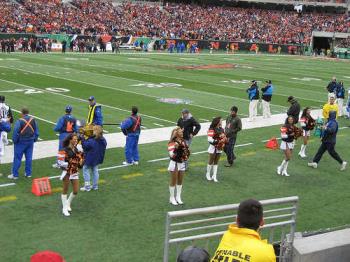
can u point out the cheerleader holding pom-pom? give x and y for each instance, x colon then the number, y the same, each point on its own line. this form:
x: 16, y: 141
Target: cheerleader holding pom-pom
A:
x: 307, y: 124
x: 179, y: 154
x: 217, y: 141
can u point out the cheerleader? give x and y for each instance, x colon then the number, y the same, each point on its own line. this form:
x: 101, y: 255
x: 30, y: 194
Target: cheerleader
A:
x: 287, y: 145
x: 70, y: 160
x: 307, y: 124
x: 217, y: 141
x: 179, y: 153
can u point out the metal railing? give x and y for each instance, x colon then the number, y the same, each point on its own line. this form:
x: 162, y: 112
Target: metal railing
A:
x: 205, y: 224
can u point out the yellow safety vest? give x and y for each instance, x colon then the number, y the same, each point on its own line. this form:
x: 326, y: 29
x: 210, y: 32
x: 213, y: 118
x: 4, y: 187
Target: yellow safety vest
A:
x: 328, y: 108
x: 91, y: 114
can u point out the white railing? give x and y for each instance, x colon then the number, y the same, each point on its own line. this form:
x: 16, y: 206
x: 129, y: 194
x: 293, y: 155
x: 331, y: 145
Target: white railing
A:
x: 210, y: 223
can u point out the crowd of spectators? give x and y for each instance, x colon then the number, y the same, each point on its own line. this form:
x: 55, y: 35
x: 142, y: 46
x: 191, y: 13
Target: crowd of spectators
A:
x: 171, y: 21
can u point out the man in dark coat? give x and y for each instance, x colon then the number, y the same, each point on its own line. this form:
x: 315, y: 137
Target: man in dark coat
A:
x: 294, y: 109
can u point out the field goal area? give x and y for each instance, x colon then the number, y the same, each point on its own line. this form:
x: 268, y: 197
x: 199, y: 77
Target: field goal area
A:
x: 204, y: 227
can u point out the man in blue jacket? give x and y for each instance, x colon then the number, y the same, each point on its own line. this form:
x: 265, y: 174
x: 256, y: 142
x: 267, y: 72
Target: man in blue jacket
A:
x: 131, y: 127
x: 94, y: 151
x: 95, y: 113
x: 267, y: 92
x: 253, y: 95
x: 66, y: 125
x: 25, y: 133
x: 329, y: 138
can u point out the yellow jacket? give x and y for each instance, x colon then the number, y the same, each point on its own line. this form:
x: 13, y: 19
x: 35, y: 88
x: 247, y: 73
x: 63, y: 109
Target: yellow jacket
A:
x: 243, y: 245
x: 327, y: 108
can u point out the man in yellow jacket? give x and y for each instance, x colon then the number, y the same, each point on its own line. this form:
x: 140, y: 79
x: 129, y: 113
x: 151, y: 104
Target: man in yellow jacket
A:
x: 242, y: 242
x: 330, y: 106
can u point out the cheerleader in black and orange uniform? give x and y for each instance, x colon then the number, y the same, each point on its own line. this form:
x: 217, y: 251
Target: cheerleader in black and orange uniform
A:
x: 70, y: 160
x: 217, y: 141
x: 289, y: 132
x: 179, y: 154
x: 307, y: 124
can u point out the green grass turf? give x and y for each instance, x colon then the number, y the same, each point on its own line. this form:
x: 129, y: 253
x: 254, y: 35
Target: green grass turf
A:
x: 124, y: 221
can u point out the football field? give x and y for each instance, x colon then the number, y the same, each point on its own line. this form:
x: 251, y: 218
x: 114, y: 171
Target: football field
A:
x: 124, y: 220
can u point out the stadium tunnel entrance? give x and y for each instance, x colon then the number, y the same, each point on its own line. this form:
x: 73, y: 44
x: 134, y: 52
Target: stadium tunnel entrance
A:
x: 320, y: 43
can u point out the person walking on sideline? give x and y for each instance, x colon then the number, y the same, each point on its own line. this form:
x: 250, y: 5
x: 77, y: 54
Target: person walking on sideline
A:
x: 294, y: 109
x: 331, y: 87
x: 233, y: 126
x: 25, y: 133
x: 329, y: 139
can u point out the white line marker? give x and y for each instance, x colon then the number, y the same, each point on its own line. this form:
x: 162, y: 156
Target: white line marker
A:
x: 8, y: 184
x: 203, y: 119
x: 158, y: 125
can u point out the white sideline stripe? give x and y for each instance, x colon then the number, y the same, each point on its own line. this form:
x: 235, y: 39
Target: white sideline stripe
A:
x: 158, y: 124
x: 8, y: 184
x: 36, y: 117
x: 205, y: 120
x: 76, y: 98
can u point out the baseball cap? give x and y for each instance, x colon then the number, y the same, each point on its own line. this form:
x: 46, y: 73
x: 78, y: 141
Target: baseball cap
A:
x: 331, y: 96
x: 185, y: 111
x: 193, y: 254
x: 269, y: 81
x: 69, y: 109
x: 91, y: 98
x: 2, y: 99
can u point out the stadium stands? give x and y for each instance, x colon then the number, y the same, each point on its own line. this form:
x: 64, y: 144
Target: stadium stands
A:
x: 171, y: 21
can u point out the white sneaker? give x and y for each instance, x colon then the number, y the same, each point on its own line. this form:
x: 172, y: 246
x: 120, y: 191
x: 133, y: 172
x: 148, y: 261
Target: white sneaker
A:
x: 126, y: 163
x: 55, y: 165
x: 84, y: 189
x: 12, y: 177
x: 135, y: 163
x: 343, y: 166
x: 173, y: 201
x: 312, y: 164
x: 279, y: 170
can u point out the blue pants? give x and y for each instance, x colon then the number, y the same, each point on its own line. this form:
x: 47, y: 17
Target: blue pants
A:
x: 95, y: 176
x: 26, y: 148
x: 131, y: 148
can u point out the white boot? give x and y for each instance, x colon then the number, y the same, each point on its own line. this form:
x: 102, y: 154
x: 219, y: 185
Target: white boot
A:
x: 215, y: 171
x: 281, y: 167
x: 302, y: 151
x: 64, y: 205
x: 284, y: 172
x: 178, y: 194
x: 172, y: 196
x: 69, y: 201
x: 209, y: 168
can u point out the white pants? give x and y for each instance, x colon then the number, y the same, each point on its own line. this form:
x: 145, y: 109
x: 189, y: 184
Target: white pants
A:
x: 266, y: 109
x: 340, y: 103
x: 2, y: 145
x: 253, y: 108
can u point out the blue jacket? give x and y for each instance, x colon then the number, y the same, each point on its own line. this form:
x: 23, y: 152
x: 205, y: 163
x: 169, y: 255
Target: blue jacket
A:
x: 61, y: 125
x: 23, y: 133
x: 5, y: 126
x: 94, y: 151
x: 127, y: 125
x: 330, y: 132
x: 267, y: 90
x: 340, y: 91
x: 253, y: 92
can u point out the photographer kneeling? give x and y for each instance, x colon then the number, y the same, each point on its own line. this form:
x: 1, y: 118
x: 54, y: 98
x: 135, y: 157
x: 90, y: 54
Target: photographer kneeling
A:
x: 94, y: 150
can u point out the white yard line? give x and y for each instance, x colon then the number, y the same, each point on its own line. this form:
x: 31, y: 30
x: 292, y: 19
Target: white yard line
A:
x: 158, y: 124
x: 8, y: 184
x: 84, y: 100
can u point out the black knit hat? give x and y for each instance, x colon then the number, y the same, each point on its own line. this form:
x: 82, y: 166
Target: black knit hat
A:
x: 193, y: 254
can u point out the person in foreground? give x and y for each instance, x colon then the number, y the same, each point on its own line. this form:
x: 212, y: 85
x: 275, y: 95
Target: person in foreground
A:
x: 329, y: 138
x: 242, y: 242
x: 70, y: 160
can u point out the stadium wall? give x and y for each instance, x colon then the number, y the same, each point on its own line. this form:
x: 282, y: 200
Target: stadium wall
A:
x: 333, y: 246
